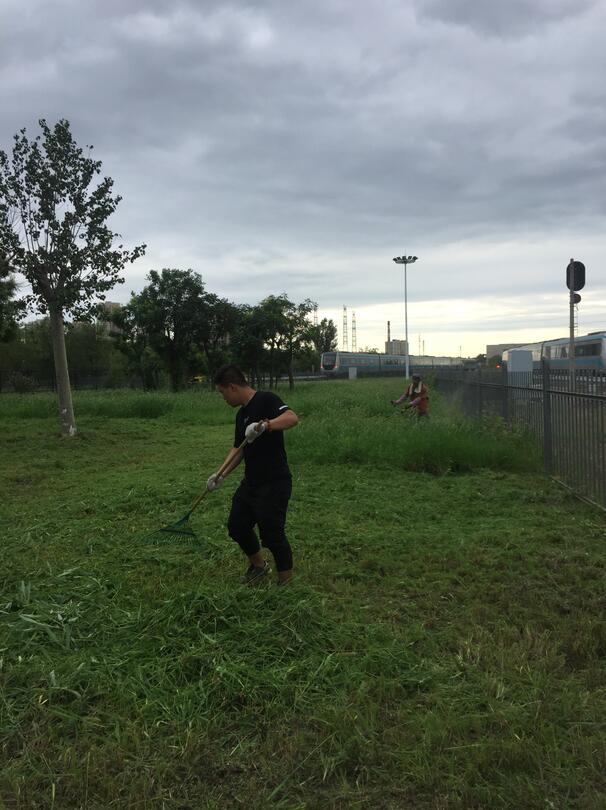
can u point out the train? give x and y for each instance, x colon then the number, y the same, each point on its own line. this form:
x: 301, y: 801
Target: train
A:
x: 337, y: 364
x: 589, y: 352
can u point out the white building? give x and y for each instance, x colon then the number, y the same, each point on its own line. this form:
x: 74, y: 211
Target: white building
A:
x: 395, y: 347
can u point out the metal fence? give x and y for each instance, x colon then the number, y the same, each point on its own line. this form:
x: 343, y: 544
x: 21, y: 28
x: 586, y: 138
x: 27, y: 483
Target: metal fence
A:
x: 566, y: 415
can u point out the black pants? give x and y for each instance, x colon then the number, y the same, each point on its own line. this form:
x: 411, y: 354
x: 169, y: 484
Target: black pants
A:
x: 265, y: 507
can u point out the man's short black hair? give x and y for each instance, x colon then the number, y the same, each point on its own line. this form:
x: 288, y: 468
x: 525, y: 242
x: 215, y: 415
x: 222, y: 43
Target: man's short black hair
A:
x: 230, y: 375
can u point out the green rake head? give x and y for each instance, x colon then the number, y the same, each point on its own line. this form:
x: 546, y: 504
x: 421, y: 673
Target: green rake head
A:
x: 181, y: 530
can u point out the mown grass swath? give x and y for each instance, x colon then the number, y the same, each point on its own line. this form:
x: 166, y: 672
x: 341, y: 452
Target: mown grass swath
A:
x: 443, y: 646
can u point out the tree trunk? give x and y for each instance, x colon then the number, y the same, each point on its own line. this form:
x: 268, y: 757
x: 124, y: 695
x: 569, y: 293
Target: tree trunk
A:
x: 175, y: 370
x: 291, y: 375
x: 66, y: 408
x: 271, y: 366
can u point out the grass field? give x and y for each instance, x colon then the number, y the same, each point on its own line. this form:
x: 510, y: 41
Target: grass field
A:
x: 443, y: 645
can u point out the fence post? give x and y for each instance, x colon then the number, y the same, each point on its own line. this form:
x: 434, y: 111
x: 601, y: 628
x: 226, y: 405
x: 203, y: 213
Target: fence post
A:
x: 505, y: 394
x: 479, y: 393
x: 547, y: 445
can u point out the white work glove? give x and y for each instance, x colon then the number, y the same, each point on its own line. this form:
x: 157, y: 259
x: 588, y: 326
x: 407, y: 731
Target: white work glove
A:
x: 214, y: 482
x: 254, y: 430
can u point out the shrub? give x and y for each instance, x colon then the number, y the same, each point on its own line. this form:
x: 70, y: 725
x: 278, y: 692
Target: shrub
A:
x: 22, y: 384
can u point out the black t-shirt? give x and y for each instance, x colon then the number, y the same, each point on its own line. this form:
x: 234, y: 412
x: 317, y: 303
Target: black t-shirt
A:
x: 265, y: 458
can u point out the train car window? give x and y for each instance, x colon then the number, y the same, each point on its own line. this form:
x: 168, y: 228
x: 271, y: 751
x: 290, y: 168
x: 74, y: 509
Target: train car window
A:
x: 587, y: 349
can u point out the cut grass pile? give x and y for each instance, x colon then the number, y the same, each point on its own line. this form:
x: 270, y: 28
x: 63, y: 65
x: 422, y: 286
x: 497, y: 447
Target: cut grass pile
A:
x: 443, y: 646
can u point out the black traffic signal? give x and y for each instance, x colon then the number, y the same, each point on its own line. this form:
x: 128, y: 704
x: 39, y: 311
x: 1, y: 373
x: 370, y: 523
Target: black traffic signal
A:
x: 575, y: 275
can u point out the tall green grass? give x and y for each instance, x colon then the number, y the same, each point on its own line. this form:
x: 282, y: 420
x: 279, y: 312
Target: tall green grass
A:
x: 120, y: 404
x: 342, y: 422
x: 404, y: 443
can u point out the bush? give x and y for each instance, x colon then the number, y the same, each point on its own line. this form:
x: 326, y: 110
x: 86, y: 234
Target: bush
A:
x: 22, y: 384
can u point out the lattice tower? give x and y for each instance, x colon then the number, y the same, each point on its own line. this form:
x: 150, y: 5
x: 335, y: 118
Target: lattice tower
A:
x: 345, y: 339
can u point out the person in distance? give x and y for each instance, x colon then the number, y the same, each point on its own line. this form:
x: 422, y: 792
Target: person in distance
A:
x: 418, y: 397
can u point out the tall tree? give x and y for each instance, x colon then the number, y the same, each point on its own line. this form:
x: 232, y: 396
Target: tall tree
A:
x: 247, y: 343
x: 132, y: 340
x: 218, y: 320
x: 170, y: 313
x: 272, y: 313
x: 296, y: 333
x: 53, y: 230
x: 324, y: 338
x: 270, y: 336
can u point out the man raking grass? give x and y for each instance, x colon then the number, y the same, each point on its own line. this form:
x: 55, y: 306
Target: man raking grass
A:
x: 262, y: 497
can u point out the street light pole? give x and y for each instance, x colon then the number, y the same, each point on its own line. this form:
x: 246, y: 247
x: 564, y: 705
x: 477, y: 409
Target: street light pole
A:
x: 406, y: 260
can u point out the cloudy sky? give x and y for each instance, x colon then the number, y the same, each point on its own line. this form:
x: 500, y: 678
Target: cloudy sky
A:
x: 276, y: 146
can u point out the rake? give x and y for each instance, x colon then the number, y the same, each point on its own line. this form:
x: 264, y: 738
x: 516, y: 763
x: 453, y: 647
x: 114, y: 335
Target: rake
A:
x: 181, y: 529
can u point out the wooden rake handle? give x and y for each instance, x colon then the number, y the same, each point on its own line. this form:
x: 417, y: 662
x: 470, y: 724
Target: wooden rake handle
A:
x: 220, y: 472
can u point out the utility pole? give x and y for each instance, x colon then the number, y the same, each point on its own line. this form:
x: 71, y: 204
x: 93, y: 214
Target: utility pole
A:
x: 354, y: 338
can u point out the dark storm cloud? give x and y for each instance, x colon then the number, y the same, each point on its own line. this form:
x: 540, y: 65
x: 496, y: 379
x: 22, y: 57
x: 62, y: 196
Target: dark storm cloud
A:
x: 296, y: 147
x: 512, y: 18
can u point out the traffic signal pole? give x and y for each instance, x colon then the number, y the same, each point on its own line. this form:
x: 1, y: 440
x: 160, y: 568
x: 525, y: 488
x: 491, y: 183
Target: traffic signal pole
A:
x: 571, y: 383
x: 575, y: 280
